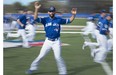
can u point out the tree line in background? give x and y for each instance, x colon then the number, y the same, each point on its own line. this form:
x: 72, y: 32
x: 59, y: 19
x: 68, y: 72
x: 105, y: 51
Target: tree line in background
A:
x: 63, y: 6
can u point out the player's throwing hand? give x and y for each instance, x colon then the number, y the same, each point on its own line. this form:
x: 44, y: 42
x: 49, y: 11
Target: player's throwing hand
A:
x: 37, y: 5
x: 74, y: 11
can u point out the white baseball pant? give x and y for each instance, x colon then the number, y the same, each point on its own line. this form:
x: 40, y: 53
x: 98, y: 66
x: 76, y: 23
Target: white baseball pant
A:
x: 31, y: 32
x: 22, y: 33
x: 56, y: 46
x: 111, y: 32
x: 101, y: 51
x: 110, y: 44
x: 30, y: 36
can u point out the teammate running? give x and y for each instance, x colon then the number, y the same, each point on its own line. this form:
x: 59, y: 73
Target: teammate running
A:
x: 52, y: 26
x: 101, y: 37
x: 22, y: 19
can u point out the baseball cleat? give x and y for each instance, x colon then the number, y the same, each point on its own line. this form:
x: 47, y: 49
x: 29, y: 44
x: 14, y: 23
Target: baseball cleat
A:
x: 29, y: 72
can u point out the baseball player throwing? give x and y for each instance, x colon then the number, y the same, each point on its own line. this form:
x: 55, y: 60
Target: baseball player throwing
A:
x: 52, y: 27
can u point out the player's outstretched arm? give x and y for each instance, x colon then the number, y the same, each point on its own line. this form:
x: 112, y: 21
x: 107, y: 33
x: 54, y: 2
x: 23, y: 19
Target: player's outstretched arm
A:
x: 37, y: 6
x: 74, y: 12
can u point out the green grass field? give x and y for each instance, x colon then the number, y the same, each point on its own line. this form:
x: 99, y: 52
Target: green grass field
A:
x: 78, y: 61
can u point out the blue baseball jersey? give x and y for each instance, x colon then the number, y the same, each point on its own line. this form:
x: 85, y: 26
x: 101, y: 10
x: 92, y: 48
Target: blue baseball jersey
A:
x: 52, y: 27
x: 23, y: 19
x: 100, y: 18
x: 104, y: 25
x: 31, y: 19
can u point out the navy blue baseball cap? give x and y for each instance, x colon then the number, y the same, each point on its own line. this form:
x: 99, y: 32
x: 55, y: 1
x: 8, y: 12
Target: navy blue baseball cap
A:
x: 52, y: 9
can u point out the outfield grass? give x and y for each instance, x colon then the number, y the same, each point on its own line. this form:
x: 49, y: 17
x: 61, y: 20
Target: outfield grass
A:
x: 80, y: 22
x: 78, y: 61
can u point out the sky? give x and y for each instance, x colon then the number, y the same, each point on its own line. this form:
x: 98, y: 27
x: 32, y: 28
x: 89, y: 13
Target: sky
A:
x: 24, y: 2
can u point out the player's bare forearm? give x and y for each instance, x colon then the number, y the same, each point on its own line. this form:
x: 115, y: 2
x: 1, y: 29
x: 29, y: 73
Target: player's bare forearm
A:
x: 74, y: 12
x: 37, y: 6
x: 72, y: 17
x: 35, y: 13
x: 18, y: 21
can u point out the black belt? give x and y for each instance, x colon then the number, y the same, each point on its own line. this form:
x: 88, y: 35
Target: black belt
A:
x: 55, y: 39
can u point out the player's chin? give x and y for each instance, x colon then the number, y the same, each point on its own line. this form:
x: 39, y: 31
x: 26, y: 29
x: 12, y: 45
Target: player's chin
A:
x: 52, y: 16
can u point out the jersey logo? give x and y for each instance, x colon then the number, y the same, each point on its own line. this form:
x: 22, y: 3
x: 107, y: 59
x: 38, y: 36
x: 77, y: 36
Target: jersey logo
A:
x: 99, y: 24
x: 48, y: 24
x: 106, y: 26
x: 56, y: 29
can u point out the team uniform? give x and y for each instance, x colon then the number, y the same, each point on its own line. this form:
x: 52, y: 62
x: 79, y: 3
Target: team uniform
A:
x: 102, y: 38
x: 99, y: 49
x: 52, y: 28
x: 100, y: 18
x: 21, y: 30
x: 95, y: 32
x: 101, y: 52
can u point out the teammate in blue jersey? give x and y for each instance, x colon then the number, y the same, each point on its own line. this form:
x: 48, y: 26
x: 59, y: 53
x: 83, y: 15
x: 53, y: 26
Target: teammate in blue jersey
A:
x: 52, y: 26
x: 101, y: 17
x: 103, y: 45
x: 21, y: 20
x: 100, y: 53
